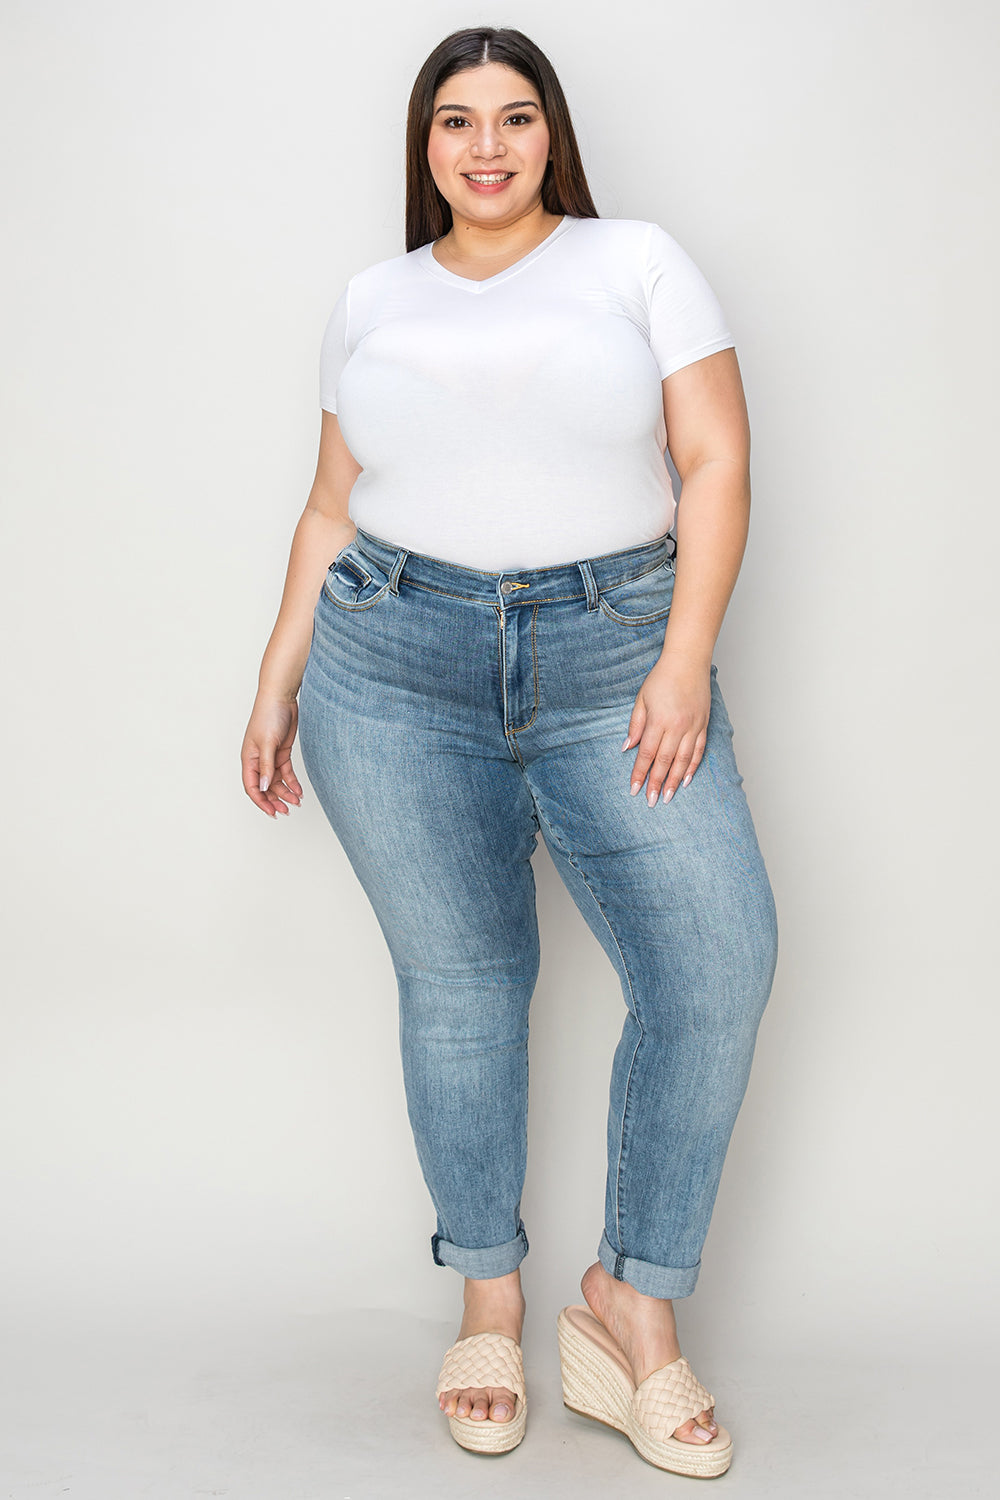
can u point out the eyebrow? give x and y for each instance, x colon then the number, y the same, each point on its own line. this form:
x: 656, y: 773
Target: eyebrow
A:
x: 517, y: 104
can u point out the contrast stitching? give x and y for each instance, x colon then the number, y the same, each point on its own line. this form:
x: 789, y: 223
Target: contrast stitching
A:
x: 396, y: 570
x: 534, y: 665
x: 428, y: 588
x: 552, y: 599
x: 591, y: 592
x: 635, y: 1011
x: 657, y: 614
x: 636, y: 576
x: 467, y: 599
x: 502, y: 664
x: 355, y: 609
x: 660, y: 614
x: 351, y: 566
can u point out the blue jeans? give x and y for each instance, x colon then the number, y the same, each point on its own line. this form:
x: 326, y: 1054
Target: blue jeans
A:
x: 446, y: 717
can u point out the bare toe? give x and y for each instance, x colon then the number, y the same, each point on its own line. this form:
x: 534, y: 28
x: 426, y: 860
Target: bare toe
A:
x: 698, y: 1430
x: 480, y: 1407
x: 478, y: 1404
x: 503, y: 1406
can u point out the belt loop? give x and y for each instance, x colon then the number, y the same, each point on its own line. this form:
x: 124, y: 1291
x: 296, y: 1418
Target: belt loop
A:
x: 587, y: 574
x: 397, y: 568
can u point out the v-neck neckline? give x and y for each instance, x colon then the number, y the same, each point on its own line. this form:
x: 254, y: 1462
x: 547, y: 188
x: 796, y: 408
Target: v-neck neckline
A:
x: 471, y: 284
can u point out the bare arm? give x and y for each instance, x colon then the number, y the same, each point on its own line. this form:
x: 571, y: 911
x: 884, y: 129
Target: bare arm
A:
x: 323, y: 529
x: 708, y: 433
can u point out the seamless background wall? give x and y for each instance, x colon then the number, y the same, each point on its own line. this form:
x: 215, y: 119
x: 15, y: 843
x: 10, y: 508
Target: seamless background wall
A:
x: 202, y: 1103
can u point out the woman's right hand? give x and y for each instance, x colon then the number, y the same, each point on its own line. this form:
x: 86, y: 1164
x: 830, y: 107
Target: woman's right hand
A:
x: 268, y: 778
x: 324, y: 529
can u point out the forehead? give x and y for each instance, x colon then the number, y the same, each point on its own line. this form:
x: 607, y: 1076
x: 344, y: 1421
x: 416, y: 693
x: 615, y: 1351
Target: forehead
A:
x: 492, y: 86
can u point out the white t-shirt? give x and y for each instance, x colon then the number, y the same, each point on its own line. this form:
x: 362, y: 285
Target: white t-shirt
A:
x: 517, y: 422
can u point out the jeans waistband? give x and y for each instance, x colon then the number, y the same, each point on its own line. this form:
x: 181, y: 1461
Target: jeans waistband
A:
x: 575, y: 580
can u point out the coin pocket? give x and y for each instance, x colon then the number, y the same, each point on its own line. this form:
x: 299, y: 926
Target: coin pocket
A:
x: 354, y: 581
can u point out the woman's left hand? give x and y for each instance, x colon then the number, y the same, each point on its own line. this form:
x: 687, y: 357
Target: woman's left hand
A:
x: 669, y: 724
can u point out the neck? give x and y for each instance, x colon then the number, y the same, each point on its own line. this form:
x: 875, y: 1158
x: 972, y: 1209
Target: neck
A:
x: 472, y: 241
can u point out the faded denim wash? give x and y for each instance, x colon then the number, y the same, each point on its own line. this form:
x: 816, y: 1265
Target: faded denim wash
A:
x: 446, y: 717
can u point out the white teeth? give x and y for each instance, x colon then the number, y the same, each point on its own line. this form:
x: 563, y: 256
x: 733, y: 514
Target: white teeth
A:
x: 488, y: 176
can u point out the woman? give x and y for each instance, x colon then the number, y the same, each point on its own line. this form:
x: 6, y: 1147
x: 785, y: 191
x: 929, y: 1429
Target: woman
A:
x: 498, y: 603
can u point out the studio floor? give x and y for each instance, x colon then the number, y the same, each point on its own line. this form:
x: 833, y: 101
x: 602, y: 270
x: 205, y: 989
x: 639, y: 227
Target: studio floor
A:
x: 330, y: 1407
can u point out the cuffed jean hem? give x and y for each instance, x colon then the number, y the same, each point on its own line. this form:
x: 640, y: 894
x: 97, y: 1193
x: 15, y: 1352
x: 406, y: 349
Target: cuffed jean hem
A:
x: 650, y: 1279
x: 494, y: 1260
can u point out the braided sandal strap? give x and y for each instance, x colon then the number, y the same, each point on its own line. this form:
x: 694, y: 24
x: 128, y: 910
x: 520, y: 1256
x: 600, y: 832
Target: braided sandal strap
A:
x: 483, y: 1359
x: 669, y: 1397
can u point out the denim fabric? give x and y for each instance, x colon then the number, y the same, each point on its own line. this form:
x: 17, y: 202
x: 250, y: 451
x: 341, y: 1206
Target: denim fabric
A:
x: 446, y: 717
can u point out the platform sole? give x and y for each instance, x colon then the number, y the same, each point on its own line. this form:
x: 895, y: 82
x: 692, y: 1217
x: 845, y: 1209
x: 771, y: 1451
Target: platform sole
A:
x: 595, y: 1386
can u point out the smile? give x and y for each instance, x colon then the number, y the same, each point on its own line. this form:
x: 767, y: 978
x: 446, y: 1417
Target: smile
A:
x: 487, y: 177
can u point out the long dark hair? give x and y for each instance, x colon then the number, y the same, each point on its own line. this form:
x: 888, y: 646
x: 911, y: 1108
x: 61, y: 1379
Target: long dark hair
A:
x: 564, y: 186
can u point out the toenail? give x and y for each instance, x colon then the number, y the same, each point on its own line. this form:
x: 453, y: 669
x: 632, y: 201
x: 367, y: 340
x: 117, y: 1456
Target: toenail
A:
x: 501, y: 1411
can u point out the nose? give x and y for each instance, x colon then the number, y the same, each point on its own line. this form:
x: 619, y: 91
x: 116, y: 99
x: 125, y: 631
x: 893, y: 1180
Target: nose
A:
x: 488, y: 143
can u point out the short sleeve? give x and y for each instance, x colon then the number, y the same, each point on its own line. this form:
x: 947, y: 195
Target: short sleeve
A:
x: 686, y: 322
x: 333, y: 352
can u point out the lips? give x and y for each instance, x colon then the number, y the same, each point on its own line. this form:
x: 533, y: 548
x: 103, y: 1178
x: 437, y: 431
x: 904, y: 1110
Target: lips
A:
x: 487, y: 179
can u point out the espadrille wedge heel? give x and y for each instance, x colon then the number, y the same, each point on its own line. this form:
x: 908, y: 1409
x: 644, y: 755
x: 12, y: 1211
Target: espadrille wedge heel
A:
x: 597, y: 1382
x: 481, y: 1360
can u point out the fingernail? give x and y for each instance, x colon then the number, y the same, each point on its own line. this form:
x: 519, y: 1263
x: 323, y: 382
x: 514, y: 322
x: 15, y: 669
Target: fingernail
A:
x: 626, y: 744
x: 667, y: 795
x: 265, y: 782
x: 651, y: 799
x: 635, y: 787
x: 687, y: 780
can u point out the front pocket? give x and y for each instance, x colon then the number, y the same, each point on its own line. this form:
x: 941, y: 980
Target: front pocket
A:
x: 642, y: 600
x: 354, y: 581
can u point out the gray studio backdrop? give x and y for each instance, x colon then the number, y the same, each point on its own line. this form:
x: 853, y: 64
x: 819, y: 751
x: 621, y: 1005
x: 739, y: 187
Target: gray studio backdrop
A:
x: 202, y: 1103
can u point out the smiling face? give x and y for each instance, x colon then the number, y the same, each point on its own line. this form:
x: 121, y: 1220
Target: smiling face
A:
x: 488, y: 145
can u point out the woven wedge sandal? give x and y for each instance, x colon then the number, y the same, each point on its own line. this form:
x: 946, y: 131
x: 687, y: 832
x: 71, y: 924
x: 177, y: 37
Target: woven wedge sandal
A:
x: 597, y: 1382
x: 486, y: 1359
